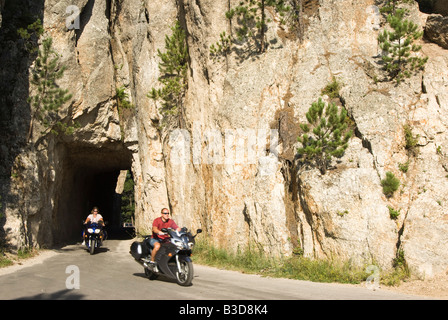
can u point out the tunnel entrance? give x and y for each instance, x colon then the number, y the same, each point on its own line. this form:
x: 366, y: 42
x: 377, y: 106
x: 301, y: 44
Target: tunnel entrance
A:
x: 89, y: 178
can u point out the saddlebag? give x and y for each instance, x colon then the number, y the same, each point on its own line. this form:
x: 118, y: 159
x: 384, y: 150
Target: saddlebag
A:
x: 139, y: 249
x: 136, y: 250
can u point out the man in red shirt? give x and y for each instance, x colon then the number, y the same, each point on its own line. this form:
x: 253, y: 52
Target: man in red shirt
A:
x: 157, y: 235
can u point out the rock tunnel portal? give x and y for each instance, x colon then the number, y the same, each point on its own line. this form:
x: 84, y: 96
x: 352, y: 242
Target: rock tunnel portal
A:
x: 89, y: 179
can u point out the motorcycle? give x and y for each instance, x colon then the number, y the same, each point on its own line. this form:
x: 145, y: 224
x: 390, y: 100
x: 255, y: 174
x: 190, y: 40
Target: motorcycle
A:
x: 173, y: 258
x: 93, y: 236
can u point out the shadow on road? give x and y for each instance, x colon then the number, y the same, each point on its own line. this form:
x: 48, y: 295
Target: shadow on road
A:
x: 97, y: 250
x: 159, y: 278
x: 59, y: 295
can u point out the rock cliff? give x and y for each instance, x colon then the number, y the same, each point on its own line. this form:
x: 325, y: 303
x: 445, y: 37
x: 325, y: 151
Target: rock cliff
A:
x: 231, y: 168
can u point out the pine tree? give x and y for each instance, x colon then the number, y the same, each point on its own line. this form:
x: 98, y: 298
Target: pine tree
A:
x: 48, y: 97
x: 31, y: 34
x: 122, y: 98
x: 252, y: 21
x: 123, y: 102
x: 326, y: 135
x: 173, y: 69
x: 390, y: 6
x: 222, y: 47
x: 127, y: 199
x: 399, y: 51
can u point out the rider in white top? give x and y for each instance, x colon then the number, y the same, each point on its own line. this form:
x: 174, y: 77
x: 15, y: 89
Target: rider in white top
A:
x: 94, y: 217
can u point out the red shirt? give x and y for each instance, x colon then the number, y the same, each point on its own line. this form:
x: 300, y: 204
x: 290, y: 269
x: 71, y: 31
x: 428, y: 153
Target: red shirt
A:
x: 160, y: 224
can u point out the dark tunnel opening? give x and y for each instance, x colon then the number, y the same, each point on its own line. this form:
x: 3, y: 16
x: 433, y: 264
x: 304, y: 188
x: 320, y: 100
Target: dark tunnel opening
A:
x: 89, y: 179
x: 100, y: 192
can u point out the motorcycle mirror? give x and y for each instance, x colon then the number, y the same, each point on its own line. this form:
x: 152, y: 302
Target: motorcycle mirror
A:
x: 199, y: 231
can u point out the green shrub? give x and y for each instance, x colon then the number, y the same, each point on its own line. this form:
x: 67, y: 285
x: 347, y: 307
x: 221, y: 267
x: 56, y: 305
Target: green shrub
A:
x: 332, y: 89
x: 296, y: 267
x: 390, y: 184
x: 4, y: 261
x: 26, y: 252
x: 400, y: 272
x: 404, y: 167
x: 411, y: 140
x: 393, y: 213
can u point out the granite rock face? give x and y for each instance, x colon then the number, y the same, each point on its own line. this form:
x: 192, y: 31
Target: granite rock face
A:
x: 436, y: 30
x: 232, y: 169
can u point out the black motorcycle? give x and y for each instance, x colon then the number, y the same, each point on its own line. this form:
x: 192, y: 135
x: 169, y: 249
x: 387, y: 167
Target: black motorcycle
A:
x: 173, y: 258
x: 93, y: 236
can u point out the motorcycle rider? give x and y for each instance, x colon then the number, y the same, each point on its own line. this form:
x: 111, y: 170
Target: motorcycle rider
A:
x: 93, y: 217
x: 158, y: 236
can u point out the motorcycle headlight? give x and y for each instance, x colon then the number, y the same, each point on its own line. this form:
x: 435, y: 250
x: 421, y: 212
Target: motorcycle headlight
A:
x: 90, y: 230
x: 97, y: 231
x: 179, y: 244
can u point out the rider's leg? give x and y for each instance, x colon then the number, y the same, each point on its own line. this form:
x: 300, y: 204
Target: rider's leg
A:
x: 156, y: 246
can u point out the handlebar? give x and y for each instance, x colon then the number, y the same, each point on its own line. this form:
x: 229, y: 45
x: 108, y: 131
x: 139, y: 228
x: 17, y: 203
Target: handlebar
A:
x: 184, y: 229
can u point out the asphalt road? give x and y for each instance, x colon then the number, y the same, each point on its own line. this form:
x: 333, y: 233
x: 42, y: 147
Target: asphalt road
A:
x: 113, y: 274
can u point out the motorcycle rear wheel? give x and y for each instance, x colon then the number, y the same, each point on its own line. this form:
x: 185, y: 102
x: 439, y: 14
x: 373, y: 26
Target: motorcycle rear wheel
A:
x: 185, y: 277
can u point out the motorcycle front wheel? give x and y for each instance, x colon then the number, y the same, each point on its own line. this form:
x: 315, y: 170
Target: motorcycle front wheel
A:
x: 184, y: 277
x: 92, y: 246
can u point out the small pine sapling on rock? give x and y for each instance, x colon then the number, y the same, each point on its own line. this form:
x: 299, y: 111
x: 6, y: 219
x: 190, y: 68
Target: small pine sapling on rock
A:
x: 173, y: 69
x: 48, y: 97
x: 252, y: 20
x: 326, y: 135
x: 400, y: 53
